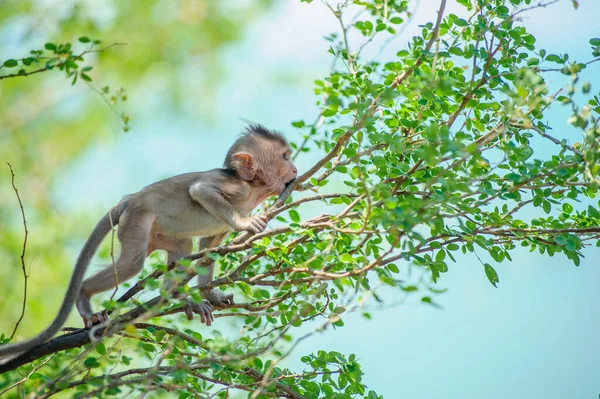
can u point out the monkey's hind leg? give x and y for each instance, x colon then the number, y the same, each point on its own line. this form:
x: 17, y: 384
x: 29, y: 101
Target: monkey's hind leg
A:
x: 134, y: 235
x: 212, y: 299
x: 177, y: 249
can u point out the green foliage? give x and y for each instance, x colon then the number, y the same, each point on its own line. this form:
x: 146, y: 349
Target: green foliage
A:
x: 426, y: 157
x: 53, y: 55
x: 61, y: 57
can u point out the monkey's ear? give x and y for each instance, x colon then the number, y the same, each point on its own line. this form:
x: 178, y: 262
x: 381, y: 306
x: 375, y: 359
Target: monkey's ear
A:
x: 243, y: 163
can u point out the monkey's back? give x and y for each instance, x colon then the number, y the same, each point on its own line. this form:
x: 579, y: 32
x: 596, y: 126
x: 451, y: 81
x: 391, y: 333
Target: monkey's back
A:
x: 177, y: 214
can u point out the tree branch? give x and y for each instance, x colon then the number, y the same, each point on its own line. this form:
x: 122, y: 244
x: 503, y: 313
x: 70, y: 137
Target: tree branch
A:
x: 44, y: 69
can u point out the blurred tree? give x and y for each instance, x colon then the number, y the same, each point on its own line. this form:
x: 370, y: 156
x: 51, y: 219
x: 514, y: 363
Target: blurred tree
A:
x: 47, y: 124
x: 436, y: 153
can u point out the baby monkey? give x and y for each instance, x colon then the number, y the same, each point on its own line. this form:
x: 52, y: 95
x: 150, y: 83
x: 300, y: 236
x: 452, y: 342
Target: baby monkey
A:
x: 169, y: 213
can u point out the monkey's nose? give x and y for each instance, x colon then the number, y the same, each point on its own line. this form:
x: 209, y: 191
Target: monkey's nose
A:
x: 295, y: 171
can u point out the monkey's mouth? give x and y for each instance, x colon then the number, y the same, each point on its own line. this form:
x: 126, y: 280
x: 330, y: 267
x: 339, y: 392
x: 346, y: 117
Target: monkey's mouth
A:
x: 286, y: 185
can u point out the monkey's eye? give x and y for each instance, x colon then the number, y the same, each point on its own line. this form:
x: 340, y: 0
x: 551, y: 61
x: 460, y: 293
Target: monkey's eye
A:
x: 285, y: 156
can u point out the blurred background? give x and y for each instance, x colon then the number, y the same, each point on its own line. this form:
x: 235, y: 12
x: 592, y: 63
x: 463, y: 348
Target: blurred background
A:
x: 194, y: 73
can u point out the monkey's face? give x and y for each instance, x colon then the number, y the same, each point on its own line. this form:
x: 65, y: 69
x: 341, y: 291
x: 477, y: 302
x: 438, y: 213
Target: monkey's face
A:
x: 289, y: 171
x: 264, y: 158
x: 281, y: 171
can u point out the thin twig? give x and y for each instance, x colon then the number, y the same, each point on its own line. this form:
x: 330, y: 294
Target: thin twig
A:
x: 23, y: 268
x: 547, y: 136
x: 22, y: 380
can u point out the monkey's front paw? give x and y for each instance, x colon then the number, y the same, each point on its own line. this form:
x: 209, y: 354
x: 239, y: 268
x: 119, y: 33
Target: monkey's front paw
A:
x: 94, y: 318
x: 255, y: 224
x: 204, y: 309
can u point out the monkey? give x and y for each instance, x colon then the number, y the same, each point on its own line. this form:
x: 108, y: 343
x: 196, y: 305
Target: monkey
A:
x: 166, y: 215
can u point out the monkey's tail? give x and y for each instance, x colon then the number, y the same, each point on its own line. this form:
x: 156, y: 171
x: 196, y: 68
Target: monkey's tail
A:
x: 103, y: 227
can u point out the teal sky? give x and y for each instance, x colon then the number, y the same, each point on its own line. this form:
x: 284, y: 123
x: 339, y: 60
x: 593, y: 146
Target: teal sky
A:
x: 535, y: 336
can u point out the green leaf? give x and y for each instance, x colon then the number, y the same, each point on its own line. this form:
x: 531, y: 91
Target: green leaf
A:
x: 338, y: 323
x: 585, y: 88
x: 595, y: 41
x: 100, y: 348
x: 546, y: 206
x: 329, y: 112
x: 295, y: 321
x: 513, y: 177
x: 11, y: 63
x: 452, y: 247
x: 148, y: 347
x: 440, y: 256
x: 346, y: 258
x: 294, y: 216
x: 372, y: 395
x: 554, y: 58
x: 460, y: 22
x: 84, y: 39
x: 515, y: 35
x: 91, y: 362
x: 69, y: 63
x: 572, y: 243
x: 593, y: 212
x: 159, y: 335
x: 560, y: 239
x: 50, y: 46
x: 86, y: 77
x: 502, y: 10
x: 491, y: 274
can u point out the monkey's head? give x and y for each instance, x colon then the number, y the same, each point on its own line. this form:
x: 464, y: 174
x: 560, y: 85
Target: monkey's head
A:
x: 262, y: 156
